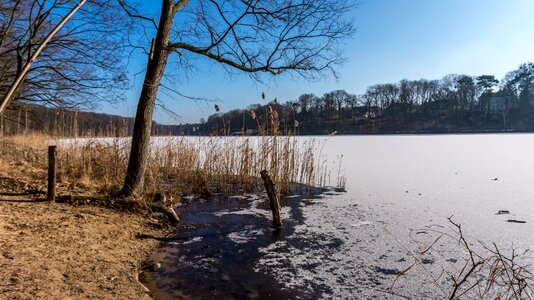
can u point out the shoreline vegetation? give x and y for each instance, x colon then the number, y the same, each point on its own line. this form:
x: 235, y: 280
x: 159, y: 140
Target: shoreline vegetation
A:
x: 452, y: 104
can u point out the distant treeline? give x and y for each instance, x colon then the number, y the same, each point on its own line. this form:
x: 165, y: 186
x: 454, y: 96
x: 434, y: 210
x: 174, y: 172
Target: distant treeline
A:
x: 455, y: 103
x: 24, y: 119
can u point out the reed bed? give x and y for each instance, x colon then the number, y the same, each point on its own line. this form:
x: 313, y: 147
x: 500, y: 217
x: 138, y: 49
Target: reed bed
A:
x: 232, y: 164
x: 181, y: 165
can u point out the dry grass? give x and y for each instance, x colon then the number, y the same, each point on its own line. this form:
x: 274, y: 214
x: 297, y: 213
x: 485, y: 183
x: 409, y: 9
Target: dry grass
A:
x: 179, y: 165
x: 91, y: 163
x: 26, y: 156
x: 232, y: 164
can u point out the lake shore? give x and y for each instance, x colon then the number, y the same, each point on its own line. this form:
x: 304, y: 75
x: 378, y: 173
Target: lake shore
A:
x: 400, y: 192
x: 59, y: 251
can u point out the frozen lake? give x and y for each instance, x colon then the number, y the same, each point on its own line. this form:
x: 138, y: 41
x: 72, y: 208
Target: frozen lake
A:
x: 414, y: 180
x: 400, y: 191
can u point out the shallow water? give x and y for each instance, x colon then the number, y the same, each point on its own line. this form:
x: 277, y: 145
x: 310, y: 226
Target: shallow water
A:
x: 400, y: 192
x: 218, y: 246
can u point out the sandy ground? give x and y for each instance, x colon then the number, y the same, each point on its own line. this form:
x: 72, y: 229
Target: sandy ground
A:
x: 58, y: 251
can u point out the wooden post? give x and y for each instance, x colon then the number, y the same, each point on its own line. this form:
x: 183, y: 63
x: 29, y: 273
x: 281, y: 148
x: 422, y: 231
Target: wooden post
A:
x: 273, y: 199
x: 51, y: 173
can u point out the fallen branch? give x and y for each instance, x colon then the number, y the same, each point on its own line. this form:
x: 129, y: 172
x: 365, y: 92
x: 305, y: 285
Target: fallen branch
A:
x: 126, y: 204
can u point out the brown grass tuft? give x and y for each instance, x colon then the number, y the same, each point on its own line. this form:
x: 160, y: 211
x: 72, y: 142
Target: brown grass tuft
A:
x: 178, y: 165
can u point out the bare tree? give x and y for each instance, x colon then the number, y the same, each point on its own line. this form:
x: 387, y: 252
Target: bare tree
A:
x: 62, y: 53
x: 371, y: 98
x: 466, y: 90
x: 406, y: 100
x: 252, y: 36
x: 335, y: 101
x: 21, y: 73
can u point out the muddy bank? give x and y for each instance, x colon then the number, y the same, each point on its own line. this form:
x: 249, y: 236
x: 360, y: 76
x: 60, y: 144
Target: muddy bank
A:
x: 57, y: 251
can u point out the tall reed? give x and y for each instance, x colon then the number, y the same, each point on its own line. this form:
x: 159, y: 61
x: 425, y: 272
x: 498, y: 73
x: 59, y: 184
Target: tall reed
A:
x: 182, y: 165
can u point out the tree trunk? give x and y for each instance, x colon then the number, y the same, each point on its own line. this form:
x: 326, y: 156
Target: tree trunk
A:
x: 157, y: 61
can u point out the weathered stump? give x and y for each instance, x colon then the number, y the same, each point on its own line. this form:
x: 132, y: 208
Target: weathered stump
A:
x: 273, y: 199
x: 51, y: 173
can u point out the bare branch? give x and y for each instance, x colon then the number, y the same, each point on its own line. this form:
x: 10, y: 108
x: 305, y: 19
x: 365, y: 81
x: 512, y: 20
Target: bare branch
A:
x: 133, y: 13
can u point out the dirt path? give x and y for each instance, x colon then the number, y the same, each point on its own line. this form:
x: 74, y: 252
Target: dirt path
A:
x: 58, y: 251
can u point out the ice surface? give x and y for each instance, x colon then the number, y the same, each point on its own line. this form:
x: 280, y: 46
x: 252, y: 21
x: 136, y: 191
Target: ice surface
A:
x: 400, y: 192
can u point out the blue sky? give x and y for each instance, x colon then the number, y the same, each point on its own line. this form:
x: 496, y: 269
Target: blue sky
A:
x: 395, y: 39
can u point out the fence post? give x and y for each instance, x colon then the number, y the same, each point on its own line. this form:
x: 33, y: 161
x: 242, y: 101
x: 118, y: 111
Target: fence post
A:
x: 51, y: 173
x: 273, y: 199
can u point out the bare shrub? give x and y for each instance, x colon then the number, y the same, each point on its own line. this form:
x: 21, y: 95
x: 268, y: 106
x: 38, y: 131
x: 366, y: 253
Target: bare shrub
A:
x: 486, y: 272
